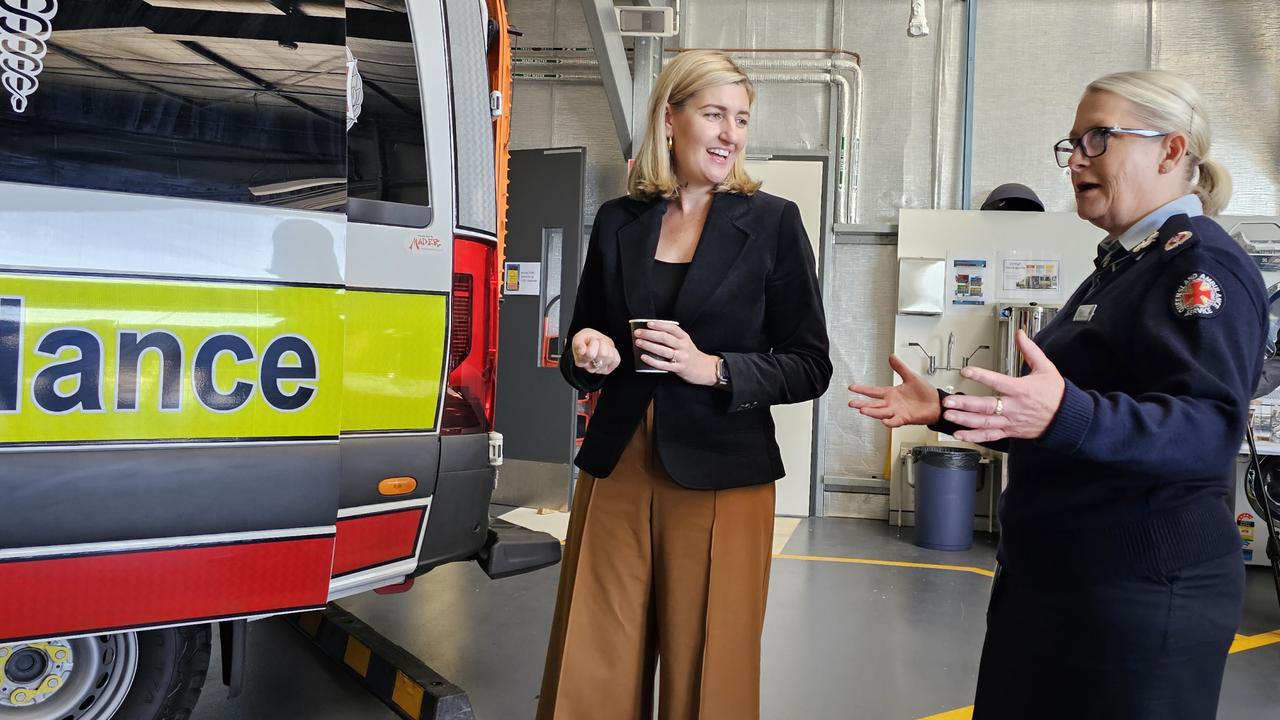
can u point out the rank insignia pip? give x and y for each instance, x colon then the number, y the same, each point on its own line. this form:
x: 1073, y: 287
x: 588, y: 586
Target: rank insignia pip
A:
x: 1198, y: 296
x: 1177, y: 240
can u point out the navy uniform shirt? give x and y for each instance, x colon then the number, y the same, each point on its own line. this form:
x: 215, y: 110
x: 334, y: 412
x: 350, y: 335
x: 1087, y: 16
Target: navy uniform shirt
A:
x: 1161, y: 348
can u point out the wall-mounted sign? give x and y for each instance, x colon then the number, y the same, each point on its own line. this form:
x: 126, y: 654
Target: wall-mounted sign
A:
x: 522, y: 278
x: 968, y: 282
x: 1031, y: 278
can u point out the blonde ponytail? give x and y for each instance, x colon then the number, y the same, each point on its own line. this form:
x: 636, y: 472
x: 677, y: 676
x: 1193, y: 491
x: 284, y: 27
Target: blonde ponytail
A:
x: 1213, y: 186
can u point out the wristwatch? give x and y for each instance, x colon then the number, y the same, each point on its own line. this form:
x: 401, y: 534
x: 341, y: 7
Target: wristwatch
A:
x: 722, y: 373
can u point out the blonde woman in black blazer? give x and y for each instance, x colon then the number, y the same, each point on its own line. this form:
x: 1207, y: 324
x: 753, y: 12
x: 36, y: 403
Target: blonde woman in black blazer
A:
x: 672, y: 520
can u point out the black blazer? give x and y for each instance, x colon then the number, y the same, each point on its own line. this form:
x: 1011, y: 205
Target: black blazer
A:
x: 751, y: 295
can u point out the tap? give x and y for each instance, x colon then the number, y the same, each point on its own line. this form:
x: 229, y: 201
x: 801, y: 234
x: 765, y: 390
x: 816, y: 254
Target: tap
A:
x: 933, y: 361
x: 951, y: 346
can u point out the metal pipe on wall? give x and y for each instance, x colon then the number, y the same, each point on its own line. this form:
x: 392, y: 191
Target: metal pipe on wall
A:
x: 825, y: 51
x: 518, y: 61
x: 970, y: 49
x: 535, y: 62
x: 558, y: 76
x: 850, y: 152
x: 849, y: 159
x: 939, y: 81
x: 846, y: 188
x: 817, y: 501
x: 849, y: 118
x: 538, y: 49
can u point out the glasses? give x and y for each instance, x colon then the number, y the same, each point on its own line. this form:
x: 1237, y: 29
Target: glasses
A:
x: 1094, y: 142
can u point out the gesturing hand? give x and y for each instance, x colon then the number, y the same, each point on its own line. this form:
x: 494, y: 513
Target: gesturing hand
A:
x: 667, y: 347
x: 1022, y: 408
x: 595, y: 352
x: 914, y: 402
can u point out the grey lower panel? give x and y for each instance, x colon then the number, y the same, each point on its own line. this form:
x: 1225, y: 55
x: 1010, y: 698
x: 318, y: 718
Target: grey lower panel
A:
x: 367, y: 460
x: 980, y: 522
x: 871, y: 506
x: 458, y: 525
x: 83, y: 496
x: 525, y: 483
x: 463, y: 452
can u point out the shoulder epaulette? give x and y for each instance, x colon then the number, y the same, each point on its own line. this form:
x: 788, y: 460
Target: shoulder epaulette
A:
x: 1175, y: 237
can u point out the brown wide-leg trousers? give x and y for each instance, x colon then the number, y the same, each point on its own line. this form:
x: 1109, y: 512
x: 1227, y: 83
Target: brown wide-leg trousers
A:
x: 654, y: 571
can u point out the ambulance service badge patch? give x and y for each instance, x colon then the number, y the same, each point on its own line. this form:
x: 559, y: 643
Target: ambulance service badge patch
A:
x: 1177, y: 240
x: 1198, y: 296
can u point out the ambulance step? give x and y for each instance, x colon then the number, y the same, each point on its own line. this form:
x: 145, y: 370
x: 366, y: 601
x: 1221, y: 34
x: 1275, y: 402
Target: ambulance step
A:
x: 512, y: 550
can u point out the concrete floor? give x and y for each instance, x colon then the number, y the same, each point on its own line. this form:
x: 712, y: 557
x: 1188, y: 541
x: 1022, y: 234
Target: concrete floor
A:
x: 842, y: 640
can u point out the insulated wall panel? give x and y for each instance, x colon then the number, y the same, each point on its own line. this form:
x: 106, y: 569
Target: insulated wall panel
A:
x: 790, y: 117
x: 757, y: 23
x: 860, y: 321
x: 582, y: 118
x: 1034, y: 58
x: 1231, y: 52
x: 898, y: 167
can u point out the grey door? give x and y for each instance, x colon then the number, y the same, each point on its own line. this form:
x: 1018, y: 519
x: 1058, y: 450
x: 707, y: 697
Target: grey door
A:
x: 537, y: 412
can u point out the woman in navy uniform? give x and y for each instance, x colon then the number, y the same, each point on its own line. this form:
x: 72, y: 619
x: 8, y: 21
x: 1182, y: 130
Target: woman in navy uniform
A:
x: 1120, y: 580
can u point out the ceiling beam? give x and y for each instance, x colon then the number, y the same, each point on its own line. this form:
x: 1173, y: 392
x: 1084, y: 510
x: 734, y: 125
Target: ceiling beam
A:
x: 606, y: 38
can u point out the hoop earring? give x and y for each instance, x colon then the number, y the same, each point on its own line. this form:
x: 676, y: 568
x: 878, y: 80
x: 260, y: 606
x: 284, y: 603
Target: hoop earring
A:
x: 669, y: 144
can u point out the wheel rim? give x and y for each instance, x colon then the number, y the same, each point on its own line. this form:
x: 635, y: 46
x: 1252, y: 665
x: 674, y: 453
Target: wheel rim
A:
x: 80, y: 679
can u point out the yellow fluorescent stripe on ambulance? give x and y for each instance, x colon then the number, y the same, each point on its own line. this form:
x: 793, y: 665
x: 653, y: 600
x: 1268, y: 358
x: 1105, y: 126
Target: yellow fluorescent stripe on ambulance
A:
x: 394, y: 360
x: 116, y: 359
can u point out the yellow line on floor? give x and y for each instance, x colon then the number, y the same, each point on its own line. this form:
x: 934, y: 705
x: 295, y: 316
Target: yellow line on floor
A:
x: 964, y: 713
x: 1241, y: 644
x: 889, y: 563
x: 1251, y: 642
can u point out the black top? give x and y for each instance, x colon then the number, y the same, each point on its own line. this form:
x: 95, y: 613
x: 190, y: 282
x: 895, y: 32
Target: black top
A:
x: 751, y: 295
x: 1161, y: 349
x: 668, y: 278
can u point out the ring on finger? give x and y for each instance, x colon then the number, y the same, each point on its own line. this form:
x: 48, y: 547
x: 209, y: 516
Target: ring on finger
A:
x: 595, y: 364
x: 999, y: 406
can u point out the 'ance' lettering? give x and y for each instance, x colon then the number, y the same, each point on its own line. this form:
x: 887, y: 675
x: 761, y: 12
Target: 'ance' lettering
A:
x: 288, y: 374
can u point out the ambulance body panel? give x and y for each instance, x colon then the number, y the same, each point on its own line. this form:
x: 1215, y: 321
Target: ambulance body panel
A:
x: 226, y: 317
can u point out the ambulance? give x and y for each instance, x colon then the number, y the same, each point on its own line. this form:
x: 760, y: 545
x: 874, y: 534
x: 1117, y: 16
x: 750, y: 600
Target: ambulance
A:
x: 249, y: 257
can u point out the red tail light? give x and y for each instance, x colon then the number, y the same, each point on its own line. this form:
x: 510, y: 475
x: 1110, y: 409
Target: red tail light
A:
x: 473, y: 338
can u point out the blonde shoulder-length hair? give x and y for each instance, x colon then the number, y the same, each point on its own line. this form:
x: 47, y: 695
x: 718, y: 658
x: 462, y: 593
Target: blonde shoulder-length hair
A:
x: 653, y: 175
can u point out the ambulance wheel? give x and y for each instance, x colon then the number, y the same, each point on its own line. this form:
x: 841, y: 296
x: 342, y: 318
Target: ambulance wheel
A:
x: 152, y: 675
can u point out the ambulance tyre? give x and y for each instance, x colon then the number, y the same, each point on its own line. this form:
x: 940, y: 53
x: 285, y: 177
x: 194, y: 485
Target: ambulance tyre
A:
x: 172, y: 665
x: 151, y: 675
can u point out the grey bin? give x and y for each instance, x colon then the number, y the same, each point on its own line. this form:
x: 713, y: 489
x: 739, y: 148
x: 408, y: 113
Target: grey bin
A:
x: 946, y: 482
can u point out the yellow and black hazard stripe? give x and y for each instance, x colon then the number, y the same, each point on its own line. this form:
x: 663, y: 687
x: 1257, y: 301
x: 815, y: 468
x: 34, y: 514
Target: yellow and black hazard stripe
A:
x: 390, y: 672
